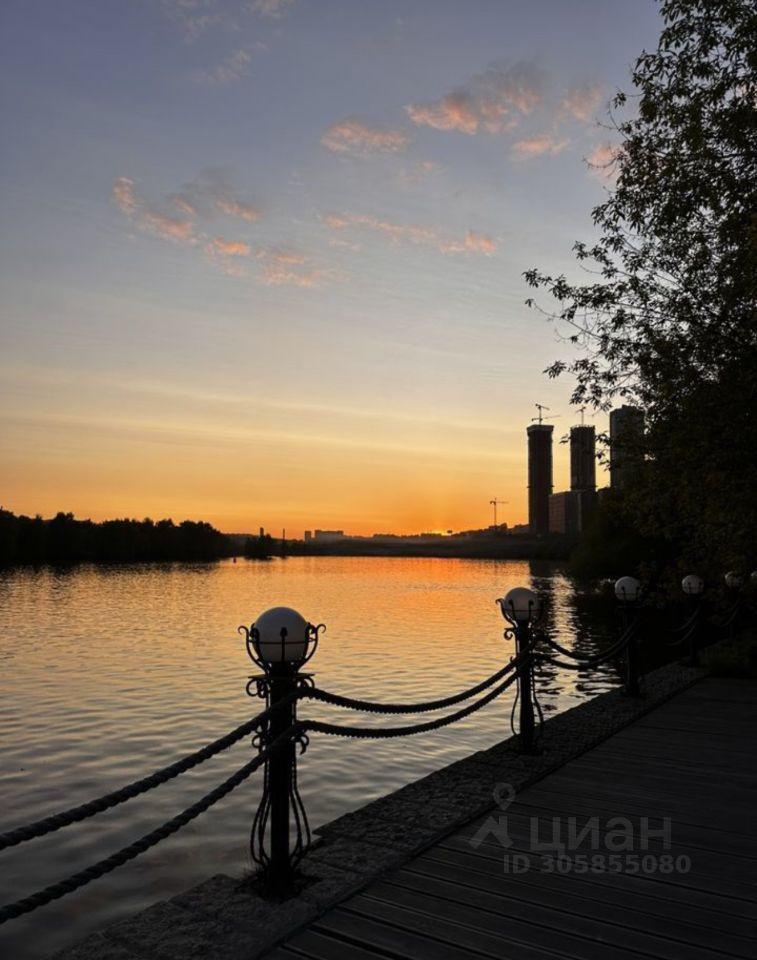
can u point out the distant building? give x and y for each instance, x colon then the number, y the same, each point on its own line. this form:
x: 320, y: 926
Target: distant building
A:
x: 519, y: 529
x: 539, y: 476
x: 569, y: 511
x: 626, y: 444
x: 308, y: 536
x: 563, y: 512
x: 583, y: 464
x: 328, y: 536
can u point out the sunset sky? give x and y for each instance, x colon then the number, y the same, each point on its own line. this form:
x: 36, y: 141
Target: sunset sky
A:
x: 261, y: 259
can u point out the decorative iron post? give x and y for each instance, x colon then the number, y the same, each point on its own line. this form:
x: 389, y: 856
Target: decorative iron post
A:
x: 733, y: 581
x: 520, y: 607
x: 280, y: 642
x: 627, y: 591
x: 693, y: 586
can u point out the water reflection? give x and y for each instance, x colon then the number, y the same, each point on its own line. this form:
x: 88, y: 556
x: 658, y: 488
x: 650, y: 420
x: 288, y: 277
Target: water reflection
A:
x: 111, y: 672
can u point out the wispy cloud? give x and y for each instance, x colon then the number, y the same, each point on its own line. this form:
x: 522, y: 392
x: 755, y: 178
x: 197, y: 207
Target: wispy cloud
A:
x: 538, y: 146
x: 602, y: 161
x: 238, y: 208
x: 230, y: 248
x: 288, y: 268
x: 354, y: 137
x: 210, y: 194
x: 275, y: 9
x: 582, y: 102
x: 494, y: 100
x: 419, y: 172
x: 230, y: 70
x: 150, y: 217
x: 473, y: 242
x: 195, y: 17
x: 418, y: 235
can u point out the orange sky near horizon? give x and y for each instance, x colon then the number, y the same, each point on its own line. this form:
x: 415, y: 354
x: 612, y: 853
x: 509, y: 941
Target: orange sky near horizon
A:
x: 242, y: 462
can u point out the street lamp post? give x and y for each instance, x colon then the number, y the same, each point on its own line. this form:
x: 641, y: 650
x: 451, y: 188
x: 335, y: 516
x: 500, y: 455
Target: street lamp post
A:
x: 627, y: 590
x: 280, y: 641
x: 693, y: 586
x: 520, y: 607
x: 733, y: 581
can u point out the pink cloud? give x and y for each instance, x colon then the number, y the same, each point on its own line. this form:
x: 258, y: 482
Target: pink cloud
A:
x: 355, y: 137
x: 230, y: 248
x: 472, y: 243
x: 419, y: 171
x: 582, y: 103
x: 602, y: 161
x: 493, y: 101
x: 233, y: 68
x: 123, y: 195
x: 288, y: 268
x: 236, y: 208
x: 538, y: 146
x: 413, y: 233
x: 147, y: 216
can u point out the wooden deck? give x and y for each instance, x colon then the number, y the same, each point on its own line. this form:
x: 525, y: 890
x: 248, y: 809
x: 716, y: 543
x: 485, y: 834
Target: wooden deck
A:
x: 692, y: 760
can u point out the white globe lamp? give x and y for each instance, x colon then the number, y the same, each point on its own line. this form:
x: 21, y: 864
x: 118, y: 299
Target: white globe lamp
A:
x: 520, y: 604
x: 692, y: 585
x: 627, y: 589
x: 280, y: 635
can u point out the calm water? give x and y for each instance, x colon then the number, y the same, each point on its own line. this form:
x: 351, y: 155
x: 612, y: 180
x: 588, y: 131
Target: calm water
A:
x: 109, y: 673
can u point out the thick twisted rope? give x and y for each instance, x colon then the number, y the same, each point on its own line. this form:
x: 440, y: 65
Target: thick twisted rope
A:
x: 589, y: 660
x: 369, y: 706
x: 729, y: 617
x: 687, y: 624
x: 75, y: 814
x: 56, y: 890
x: 378, y: 733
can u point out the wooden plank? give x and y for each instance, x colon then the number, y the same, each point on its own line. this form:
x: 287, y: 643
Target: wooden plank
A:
x: 523, y: 826
x: 734, y: 934
x: 690, y: 759
x: 550, y: 792
x: 406, y: 934
x: 721, y: 886
x: 569, y: 915
x: 689, y: 835
x: 318, y: 946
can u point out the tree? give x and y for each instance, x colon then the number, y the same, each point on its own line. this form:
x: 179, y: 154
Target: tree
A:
x: 669, y: 320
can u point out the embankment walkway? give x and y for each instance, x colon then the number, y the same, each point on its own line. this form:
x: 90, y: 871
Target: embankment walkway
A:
x: 688, y: 890
x: 435, y: 871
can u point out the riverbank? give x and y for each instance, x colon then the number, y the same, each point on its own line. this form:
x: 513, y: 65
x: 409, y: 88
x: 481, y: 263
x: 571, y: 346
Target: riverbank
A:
x: 221, y: 918
x: 453, y: 548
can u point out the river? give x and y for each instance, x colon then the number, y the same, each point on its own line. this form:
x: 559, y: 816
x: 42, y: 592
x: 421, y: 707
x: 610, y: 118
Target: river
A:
x: 111, y: 672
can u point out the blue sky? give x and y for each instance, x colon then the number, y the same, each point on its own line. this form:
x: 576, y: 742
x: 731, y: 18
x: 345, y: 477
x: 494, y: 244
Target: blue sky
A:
x: 262, y: 261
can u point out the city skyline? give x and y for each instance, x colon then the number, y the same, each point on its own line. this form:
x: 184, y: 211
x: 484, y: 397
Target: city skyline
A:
x: 275, y: 275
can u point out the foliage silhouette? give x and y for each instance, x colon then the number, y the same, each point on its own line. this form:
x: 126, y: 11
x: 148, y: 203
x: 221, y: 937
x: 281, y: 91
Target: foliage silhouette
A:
x: 64, y: 539
x: 669, y: 319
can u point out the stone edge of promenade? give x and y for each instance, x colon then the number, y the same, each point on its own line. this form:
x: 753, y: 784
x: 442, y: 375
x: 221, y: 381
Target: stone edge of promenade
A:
x: 219, y: 919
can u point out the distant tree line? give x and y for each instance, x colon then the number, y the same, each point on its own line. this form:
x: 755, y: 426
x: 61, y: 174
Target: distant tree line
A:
x: 64, y: 539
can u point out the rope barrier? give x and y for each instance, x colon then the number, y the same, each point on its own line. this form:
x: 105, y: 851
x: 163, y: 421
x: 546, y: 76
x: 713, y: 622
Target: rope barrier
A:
x: 369, y: 706
x: 589, y: 660
x: 376, y: 733
x: 12, y: 910
x: 75, y: 814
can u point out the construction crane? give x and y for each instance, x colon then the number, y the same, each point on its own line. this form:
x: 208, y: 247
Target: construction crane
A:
x: 494, y: 503
x: 540, y: 419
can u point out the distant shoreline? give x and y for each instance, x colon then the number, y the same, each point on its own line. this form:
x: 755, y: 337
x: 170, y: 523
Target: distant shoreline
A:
x: 500, y: 548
